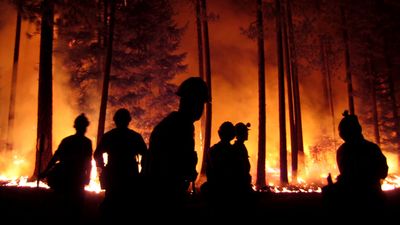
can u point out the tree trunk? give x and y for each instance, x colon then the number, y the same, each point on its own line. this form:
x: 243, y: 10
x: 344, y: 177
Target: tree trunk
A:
x: 100, y: 34
x: 289, y: 84
x: 372, y: 84
x: 45, y: 96
x: 207, y: 137
x: 347, y: 58
x: 200, y: 56
x: 107, y: 70
x: 327, y: 83
x: 260, y: 181
x: 281, y: 89
x: 296, y: 91
x: 324, y: 72
x: 199, y: 18
x: 330, y: 92
x: 105, y: 23
x: 11, y: 111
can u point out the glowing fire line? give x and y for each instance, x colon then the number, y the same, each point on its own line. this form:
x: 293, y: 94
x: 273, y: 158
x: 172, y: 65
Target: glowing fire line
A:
x: 93, y: 186
x: 391, y: 182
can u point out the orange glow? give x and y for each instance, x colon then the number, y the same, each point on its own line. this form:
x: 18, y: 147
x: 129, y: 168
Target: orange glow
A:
x: 94, y: 185
x: 235, y: 99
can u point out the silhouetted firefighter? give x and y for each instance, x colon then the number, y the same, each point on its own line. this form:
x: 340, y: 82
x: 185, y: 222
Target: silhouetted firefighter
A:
x: 242, y: 163
x: 69, y: 169
x: 172, y: 158
x: 362, y: 166
x: 228, y: 185
x: 120, y: 176
x: 220, y: 168
x: 228, y: 166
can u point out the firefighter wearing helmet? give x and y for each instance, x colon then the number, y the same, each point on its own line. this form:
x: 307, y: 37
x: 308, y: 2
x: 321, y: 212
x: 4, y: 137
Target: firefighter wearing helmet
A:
x: 120, y: 175
x: 68, y: 171
x: 242, y: 170
x: 172, y: 157
x: 362, y: 166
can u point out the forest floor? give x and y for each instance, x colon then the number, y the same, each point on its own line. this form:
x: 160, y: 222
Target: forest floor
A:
x: 24, y: 205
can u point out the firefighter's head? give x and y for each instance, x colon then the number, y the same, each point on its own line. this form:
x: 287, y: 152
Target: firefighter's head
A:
x: 193, y: 93
x: 226, y: 131
x: 122, y: 117
x: 81, y: 123
x: 349, y: 127
x: 242, y: 131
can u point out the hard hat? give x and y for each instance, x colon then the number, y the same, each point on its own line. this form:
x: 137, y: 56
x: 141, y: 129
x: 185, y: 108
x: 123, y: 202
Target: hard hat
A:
x: 122, y: 115
x: 194, y: 88
x: 81, y: 121
x: 226, y: 130
x: 349, y: 123
x: 241, y: 127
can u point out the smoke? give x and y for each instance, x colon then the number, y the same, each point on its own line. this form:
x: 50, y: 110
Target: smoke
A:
x: 20, y: 160
x: 235, y: 76
x: 5, y: 68
x: 24, y: 109
x: 235, y: 88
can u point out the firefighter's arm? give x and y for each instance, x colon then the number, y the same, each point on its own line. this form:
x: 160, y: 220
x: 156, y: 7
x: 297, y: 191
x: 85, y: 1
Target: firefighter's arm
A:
x: 98, y: 155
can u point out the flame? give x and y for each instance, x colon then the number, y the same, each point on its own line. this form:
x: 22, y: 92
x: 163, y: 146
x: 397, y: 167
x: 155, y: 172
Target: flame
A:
x: 391, y: 182
x: 94, y: 184
x: 234, y: 99
x: 22, y: 182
